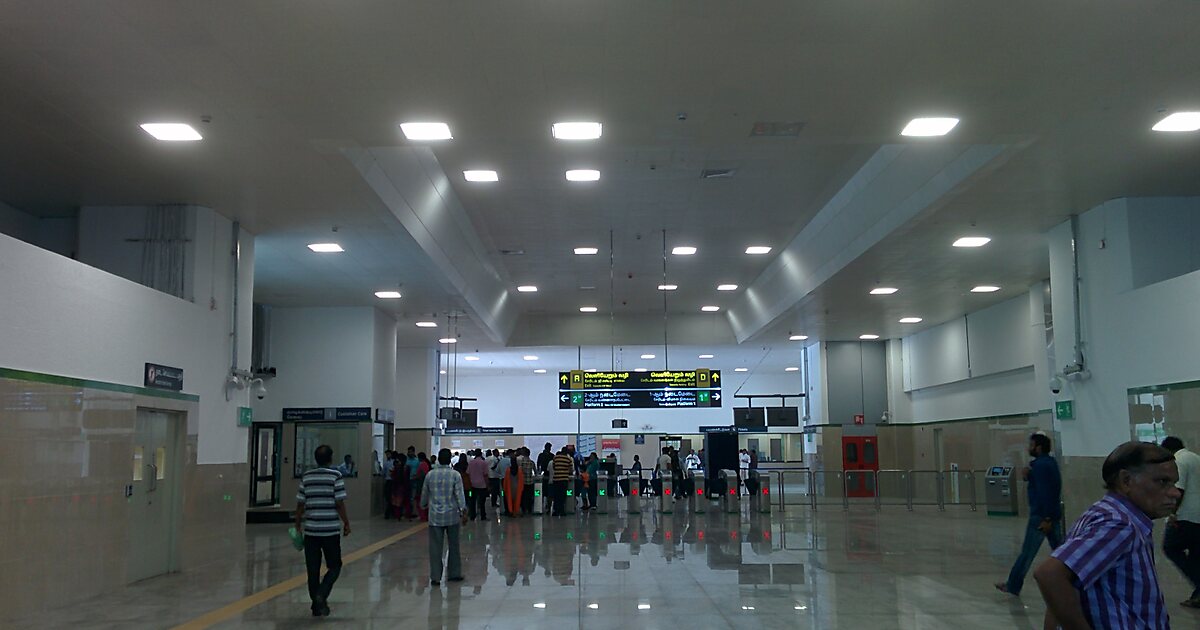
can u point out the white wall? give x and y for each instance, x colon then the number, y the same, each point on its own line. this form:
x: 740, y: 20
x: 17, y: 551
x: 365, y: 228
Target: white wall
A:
x: 529, y: 404
x: 66, y: 318
x: 1132, y: 338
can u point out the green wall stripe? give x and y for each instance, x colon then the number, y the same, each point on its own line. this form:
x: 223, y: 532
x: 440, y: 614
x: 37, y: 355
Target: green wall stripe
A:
x: 1169, y: 387
x: 53, y: 379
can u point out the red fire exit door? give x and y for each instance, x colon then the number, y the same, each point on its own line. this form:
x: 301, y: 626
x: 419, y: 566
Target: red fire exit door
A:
x: 860, y: 461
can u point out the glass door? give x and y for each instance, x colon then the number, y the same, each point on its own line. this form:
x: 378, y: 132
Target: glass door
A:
x: 264, y: 463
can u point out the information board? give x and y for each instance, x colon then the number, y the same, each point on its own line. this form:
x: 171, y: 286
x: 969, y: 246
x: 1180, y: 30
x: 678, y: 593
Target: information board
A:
x: 667, y: 389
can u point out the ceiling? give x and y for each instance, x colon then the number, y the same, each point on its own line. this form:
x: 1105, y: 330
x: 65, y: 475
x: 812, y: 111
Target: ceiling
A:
x: 1070, y: 89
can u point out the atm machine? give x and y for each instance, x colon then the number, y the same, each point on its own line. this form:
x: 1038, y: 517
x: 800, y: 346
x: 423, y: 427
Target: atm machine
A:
x: 1001, y: 491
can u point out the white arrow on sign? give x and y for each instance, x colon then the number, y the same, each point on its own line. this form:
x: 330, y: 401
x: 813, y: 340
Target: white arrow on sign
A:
x: 563, y: 398
x: 716, y: 397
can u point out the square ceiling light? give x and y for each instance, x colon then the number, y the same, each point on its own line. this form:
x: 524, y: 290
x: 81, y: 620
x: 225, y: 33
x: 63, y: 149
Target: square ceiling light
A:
x: 1179, y: 121
x: 667, y: 287
x: 727, y: 287
x: 710, y: 309
x: 797, y: 337
x: 172, y: 132
x: 583, y: 175
x: 758, y: 250
x: 925, y: 127
x: 388, y: 295
x: 576, y: 130
x: 972, y: 241
x: 910, y: 320
x: 326, y: 248
x: 421, y: 131
x: 527, y: 288
x: 868, y: 337
x: 586, y: 251
x: 426, y: 324
x: 481, y: 176
x: 683, y: 250
x: 985, y: 288
x: 884, y: 290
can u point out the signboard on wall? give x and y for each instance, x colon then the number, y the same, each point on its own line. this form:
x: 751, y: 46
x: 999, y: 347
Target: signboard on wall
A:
x: 478, y: 430
x: 666, y: 389
x: 1064, y: 410
x: 860, y: 418
x: 639, y: 438
x: 355, y: 414
x: 163, y: 377
x: 610, y: 444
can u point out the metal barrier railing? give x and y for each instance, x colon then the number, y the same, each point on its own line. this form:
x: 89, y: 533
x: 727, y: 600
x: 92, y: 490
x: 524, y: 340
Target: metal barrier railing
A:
x: 893, y: 483
x: 883, y: 487
x: 926, y: 487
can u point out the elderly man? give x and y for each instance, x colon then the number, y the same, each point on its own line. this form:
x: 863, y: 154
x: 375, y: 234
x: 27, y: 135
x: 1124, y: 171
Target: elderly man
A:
x: 1103, y: 575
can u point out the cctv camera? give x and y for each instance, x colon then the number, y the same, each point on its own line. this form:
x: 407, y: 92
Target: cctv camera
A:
x: 1055, y: 385
x: 260, y: 389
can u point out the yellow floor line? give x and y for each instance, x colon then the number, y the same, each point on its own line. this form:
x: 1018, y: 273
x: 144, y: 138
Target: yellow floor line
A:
x: 250, y: 601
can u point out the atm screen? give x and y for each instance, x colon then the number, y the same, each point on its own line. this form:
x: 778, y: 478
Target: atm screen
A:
x: 996, y: 471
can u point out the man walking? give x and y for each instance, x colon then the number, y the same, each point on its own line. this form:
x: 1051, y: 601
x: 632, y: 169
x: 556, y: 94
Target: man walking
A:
x: 1103, y: 575
x: 544, y: 459
x: 477, y: 471
x: 443, y: 497
x: 527, y: 474
x: 561, y: 471
x: 1045, y: 516
x: 320, y: 503
x: 1181, y: 542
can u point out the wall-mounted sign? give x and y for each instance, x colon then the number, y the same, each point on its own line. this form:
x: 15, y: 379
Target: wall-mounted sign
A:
x: 1064, y: 410
x: 639, y: 438
x: 860, y: 418
x: 356, y: 414
x: 620, y: 423
x: 667, y: 389
x: 478, y: 430
x: 610, y: 444
x: 729, y: 429
x: 163, y: 377
x: 245, y: 416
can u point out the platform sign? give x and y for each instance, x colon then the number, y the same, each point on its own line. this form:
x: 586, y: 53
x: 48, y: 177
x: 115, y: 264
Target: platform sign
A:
x: 666, y: 389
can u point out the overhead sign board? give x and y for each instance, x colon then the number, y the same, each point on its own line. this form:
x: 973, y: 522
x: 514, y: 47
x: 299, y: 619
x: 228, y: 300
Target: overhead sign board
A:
x: 478, y: 430
x: 666, y: 389
x: 326, y: 413
x: 163, y: 377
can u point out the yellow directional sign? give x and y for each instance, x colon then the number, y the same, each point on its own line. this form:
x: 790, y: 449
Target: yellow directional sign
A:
x: 577, y: 379
x: 703, y: 378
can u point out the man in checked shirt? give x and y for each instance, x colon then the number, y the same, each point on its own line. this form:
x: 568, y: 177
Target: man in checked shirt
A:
x: 1103, y: 575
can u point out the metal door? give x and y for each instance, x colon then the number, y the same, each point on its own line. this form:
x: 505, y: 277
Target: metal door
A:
x: 860, y: 459
x: 154, y: 494
x: 264, y: 463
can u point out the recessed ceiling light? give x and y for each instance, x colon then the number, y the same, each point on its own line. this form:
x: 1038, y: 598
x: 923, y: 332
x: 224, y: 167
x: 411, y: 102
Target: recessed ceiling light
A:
x: 972, y: 241
x: 539, y: 371
x: 727, y: 287
x: 791, y: 369
x: 426, y: 131
x: 576, y: 130
x: 481, y: 176
x: 883, y: 290
x: 984, y: 288
x: 1179, y: 121
x: 586, y: 251
x: 643, y: 606
x: 426, y: 324
x: 868, y: 337
x: 326, y: 248
x: 758, y: 250
x: 797, y: 337
x: 640, y: 370
x: 583, y: 175
x: 667, y: 287
x: 910, y: 320
x: 801, y: 607
x: 590, y: 370
x: 593, y: 606
x: 470, y: 358
x: 684, y: 250
x: 172, y: 132
x: 929, y: 126
x: 530, y: 357
x: 587, y: 309
x: 710, y: 308
x: 388, y: 295
x: 741, y: 369
x: 527, y: 288
x: 447, y: 340
x: 705, y: 356
x: 540, y: 605
x: 647, y: 356
x: 747, y: 608
x: 441, y: 371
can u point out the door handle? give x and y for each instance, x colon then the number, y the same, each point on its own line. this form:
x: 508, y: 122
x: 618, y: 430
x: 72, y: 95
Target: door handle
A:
x: 153, y: 478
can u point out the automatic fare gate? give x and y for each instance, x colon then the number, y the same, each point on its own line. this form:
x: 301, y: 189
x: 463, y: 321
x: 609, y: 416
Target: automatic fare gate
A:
x: 732, y: 499
x: 601, y: 482
x: 761, y: 501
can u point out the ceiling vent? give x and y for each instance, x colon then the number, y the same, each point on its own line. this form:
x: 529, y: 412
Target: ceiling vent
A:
x: 776, y: 129
x: 717, y: 173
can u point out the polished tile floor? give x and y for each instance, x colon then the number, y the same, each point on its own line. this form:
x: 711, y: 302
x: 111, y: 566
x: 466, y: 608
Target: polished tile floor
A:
x: 800, y: 569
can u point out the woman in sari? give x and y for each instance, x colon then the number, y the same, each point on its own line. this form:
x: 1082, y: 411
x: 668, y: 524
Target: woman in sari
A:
x: 401, y: 503
x: 423, y: 469
x: 514, y: 486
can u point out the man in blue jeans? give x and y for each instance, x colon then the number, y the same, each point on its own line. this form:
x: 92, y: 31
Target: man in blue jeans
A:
x: 1045, y: 511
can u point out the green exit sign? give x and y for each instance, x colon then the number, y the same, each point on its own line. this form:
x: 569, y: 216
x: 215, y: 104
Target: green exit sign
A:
x: 1064, y: 410
x: 245, y: 416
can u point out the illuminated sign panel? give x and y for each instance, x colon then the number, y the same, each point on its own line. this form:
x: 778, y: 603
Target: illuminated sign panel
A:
x: 667, y: 389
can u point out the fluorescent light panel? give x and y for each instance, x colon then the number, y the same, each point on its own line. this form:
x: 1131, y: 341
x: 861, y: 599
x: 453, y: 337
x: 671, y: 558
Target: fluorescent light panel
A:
x: 530, y: 357
x: 791, y: 369
x: 705, y: 356
x: 583, y: 175
x: 540, y: 371
x: 797, y: 337
x: 925, y: 127
x: 426, y: 324
x: 470, y: 358
x: 972, y: 241
x: 1179, y: 122
x: 684, y: 250
x: 326, y: 248
x: 667, y: 287
x: 527, y: 288
x: 647, y: 356
x: 172, y: 132
x: 640, y: 370
x: 577, y: 130
x: 868, y: 337
x: 481, y: 176
x: 586, y: 251
x: 758, y: 250
x: 388, y: 295
x: 587, y: 309
x: 447, y: 340
x: 710, y: 309
x: 883, y: 290
x: 727, y: 287
x: 741, y: 369
x: 426, y: 131
x: 910, y: 320
x: 985, y: 288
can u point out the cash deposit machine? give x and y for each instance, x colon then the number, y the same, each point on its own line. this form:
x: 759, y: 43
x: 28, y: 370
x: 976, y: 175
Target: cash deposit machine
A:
x: 1001, y: 491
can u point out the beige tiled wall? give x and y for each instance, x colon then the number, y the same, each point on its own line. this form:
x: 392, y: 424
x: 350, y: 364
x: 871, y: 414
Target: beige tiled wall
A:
x: 64, y: 463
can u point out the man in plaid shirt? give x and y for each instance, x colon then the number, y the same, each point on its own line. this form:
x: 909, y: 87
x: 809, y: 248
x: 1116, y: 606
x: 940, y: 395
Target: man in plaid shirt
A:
x: 443, y: 496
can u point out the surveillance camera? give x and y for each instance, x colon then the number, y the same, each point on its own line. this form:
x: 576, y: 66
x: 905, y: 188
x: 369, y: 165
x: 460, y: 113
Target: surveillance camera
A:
x: 260, y: 389
x: 1055, y: 385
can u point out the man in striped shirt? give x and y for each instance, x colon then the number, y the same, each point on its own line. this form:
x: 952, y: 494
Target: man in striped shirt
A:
x: 562, y: 468
x: 1103, y: 575
x: 321, y: 515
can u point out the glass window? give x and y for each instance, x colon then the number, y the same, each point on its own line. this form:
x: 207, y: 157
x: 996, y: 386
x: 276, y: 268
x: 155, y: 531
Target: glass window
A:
x: 160, y: 462
x: 138, y: 453
x: 341, y: 437
x: 868, y: 452
x: 852, y: 452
